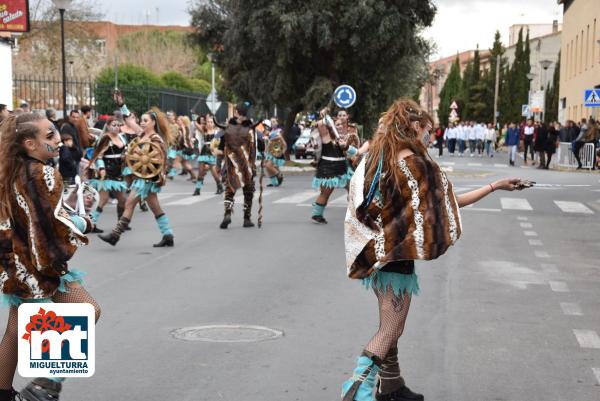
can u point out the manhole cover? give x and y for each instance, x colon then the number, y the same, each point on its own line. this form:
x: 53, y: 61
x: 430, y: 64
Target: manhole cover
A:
x: 226, y: 334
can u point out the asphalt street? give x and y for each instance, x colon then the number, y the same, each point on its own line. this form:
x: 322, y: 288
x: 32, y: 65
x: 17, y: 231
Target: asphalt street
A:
x: 511, y: 313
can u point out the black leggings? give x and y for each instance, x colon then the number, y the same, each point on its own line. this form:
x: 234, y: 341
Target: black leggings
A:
x: 528, y: 144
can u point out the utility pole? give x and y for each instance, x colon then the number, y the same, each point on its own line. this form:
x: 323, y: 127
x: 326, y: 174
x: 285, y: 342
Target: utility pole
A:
x: 496, y: 91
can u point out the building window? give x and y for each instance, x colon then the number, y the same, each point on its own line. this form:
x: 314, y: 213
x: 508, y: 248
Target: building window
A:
x: 587, y: 46
x: 594, y: 44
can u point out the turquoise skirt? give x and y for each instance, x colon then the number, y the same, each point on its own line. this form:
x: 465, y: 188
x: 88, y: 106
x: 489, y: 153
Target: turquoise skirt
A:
x: 144, y: 187
x: 399, y: 283
x: 108, y: 185
x: 340, y: 181
x: 171, y: 153
x: 207, y: 159
x: 73, y: 276
x: 276, y: 161
x: 127, y: 171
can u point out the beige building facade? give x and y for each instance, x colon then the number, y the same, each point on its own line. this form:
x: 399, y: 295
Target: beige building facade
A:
x: 580, y: 58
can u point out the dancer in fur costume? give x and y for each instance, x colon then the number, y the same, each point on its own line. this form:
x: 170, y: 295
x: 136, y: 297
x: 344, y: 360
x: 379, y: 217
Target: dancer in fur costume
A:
x: 207, y: 160
x: 274, y: 153
x: 153, y: 128
x: 401, y: 208
x: 109, y: 161
x: 38, y: 237
x: 238, y: 146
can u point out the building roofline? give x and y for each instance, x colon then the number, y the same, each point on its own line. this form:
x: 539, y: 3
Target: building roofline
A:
x: 537, y: 38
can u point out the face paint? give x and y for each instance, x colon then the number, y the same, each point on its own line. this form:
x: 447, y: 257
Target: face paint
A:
x: 51, y: 149
x: 426, y: 138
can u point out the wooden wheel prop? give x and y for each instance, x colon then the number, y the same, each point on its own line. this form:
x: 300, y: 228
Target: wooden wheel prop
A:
x: 145, y: 159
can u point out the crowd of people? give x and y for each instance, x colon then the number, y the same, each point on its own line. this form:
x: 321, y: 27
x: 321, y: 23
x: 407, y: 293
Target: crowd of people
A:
x: 537, y: 140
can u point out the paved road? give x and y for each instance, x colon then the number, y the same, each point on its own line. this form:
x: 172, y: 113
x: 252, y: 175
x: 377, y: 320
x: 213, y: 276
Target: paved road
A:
x: 510, y: 313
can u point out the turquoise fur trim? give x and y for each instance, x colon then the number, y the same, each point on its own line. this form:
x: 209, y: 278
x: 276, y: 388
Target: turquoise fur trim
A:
x: 276, y: 161
x: 7, y: 300
x: 95, y: 215
x: 334, y: 182
x: 172, y: 153
x: 399, y: 283
x: 318, y: 209
x: 189, y: 158
x: 365, y: 374
x: 199, y: 184
x: 172, y: 172
x: 125, y: 110
x: 127, y: 171
x: 351, y: 151
x: 100, y: 163
x: 143, y: 188
x: 79, y: 222
x: 109, y: 185
x: 163, y: 225
x: 208, y: 159
x: 274, y: 181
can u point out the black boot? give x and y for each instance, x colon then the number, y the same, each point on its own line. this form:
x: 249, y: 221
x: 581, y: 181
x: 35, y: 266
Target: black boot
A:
x: 114, y: 236
x: 196, y: 192
x: 248, y: 209
x: 120, y: 211
x: 96, y: 230
x: 226, y: 220
x: 143, y: 206
x: 167, y: 240
x: 402, y: 394
x: 219, y: 188
x: 279, y: 179
x: 248, y: 222
x: 42, y: 389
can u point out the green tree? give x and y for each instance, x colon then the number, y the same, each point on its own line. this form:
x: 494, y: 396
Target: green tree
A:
x: 294, y: 54
x: 552, y: 95
x: 450, y: 92
x: 476, y: 94
x: 496, y: 53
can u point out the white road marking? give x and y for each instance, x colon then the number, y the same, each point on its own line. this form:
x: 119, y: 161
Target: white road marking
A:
x: 549, y: 268
x: 558, y: 286
x: 515, y: 204
x: 481, y: 209
x: 239, y: 197
x: 474, y: 164
x: 298, y: 197
x: 526, y: 225
x: 587, y: 338
x: 573, y: 207
x: 191, y: 200
x: 542, y: 254
x: 522, y: 218
x: 571, y: 309
x: 500, y: 165
x: 162, y: 197
x: 535, y: 242
x: 448, y: 163
x: 578, y: 185
x: 597, y: 374
x: 530, y: 233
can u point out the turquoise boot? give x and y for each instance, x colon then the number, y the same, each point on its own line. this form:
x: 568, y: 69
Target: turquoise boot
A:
x: 362, y: 384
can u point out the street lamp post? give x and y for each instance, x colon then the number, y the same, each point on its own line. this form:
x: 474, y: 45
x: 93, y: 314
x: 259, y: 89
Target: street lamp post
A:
x: 62, y: 6
x: 545, y: 65
x: 530, y: 77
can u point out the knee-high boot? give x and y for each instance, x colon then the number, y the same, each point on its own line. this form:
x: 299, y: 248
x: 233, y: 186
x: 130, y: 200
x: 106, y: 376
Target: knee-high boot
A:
x: 362, y: 384
x: 165, y: 230
x: 114, y: 236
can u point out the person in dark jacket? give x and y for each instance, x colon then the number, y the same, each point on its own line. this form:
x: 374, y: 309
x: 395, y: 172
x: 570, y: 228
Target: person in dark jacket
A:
x: 512, y: 142
x: 552, y: 142
x: 540, y: 144
x: 70, y: 127
x: 69, y: 155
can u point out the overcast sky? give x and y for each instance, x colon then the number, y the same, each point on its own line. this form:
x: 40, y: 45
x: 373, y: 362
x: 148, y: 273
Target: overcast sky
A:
x: 459, y: 25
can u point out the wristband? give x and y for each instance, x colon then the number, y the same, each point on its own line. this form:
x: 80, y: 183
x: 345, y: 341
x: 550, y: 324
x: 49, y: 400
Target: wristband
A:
x: 125, y: 110
x: 492, y: 187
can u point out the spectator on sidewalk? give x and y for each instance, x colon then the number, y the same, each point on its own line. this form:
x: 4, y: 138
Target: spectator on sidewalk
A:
x: 51, y: 115
x: 490, y: 140
x: 540, y: 143
x: 439, y: 140
x: 528, y: 135
x: 592, y: 137
x: 579, y: 141
x: 552, y: 141
x: 512, y: 142
x: 69, y: 156
x: 70, y: 127
x: 450, y: 136
x: 86, y: 115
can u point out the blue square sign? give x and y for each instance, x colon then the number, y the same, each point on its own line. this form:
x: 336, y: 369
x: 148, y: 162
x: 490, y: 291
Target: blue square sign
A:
x: 592, y: 98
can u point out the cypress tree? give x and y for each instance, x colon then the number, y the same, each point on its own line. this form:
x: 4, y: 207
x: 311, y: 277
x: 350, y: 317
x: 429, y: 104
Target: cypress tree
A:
x: 450, y: 91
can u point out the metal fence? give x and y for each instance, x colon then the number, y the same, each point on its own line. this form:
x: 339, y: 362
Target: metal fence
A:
x: 43, y: 92
x: 565, y: 157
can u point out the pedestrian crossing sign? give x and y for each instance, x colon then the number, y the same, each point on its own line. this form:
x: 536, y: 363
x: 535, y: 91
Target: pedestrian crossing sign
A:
x: 592, y: 98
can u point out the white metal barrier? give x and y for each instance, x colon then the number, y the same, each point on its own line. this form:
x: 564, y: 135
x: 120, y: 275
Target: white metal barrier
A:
x: 565, y: 158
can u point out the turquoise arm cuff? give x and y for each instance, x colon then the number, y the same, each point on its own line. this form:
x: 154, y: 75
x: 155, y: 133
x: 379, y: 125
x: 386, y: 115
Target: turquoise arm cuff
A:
x: 100, y: 163
x: 351, y: 151
x: 79, y: 222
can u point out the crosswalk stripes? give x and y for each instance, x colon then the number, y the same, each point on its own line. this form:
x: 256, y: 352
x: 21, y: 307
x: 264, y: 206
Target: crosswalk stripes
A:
x: 305, y: 198
x: 515, y: 204
x: 573, y: 207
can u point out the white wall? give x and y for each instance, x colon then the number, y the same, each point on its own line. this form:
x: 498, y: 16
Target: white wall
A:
x: 6, y: 89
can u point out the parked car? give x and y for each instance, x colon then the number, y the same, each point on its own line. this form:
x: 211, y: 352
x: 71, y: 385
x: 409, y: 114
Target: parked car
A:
x: 303, y: 148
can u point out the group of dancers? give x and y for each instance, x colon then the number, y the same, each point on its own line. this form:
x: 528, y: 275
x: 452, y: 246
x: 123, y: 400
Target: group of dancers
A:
x: 401, y: 208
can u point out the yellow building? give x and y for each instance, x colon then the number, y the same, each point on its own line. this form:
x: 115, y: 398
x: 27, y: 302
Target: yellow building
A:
x: 580, y: 58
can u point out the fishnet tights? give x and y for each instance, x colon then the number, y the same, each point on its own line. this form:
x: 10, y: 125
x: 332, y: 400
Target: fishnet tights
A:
x: 392, y: 317
x: 8, y: 346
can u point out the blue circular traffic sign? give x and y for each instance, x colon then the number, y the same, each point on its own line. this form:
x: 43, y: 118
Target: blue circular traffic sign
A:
x: 344, y: 96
